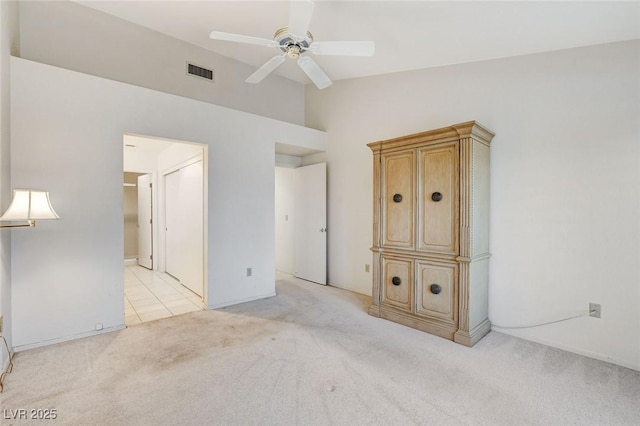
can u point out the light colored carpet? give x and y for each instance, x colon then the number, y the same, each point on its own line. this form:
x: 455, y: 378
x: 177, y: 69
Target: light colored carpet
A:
x: 311, y: 355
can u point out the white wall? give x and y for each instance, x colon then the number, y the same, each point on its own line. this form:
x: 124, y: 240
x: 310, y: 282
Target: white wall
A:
x: 69, y: 35
x: 565, y: 182
x: 67, y: 131
x: 285, y: 217
x: 8, y: 42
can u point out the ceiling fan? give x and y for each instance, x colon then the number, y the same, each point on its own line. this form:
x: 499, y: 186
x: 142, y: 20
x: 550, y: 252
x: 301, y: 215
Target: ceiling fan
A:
x: 295, y: 41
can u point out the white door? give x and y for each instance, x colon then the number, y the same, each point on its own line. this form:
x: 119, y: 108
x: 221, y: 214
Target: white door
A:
x: 145, y: 225
x: 184, y: 226
x: 311, y: 223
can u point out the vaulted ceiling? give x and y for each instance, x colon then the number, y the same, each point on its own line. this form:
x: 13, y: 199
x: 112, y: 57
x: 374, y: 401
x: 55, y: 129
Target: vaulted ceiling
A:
x: 408, y: 35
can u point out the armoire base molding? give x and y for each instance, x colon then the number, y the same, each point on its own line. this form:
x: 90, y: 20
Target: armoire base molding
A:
x: 437, y: 328
x: 471, y: 338
x: 374, y: 311
x: 458, y: 336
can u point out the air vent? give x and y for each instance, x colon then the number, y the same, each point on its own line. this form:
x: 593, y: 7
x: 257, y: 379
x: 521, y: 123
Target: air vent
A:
x: 200, y: 72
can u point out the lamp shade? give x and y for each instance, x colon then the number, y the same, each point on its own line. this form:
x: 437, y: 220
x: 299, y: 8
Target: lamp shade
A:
x: 29, y: 205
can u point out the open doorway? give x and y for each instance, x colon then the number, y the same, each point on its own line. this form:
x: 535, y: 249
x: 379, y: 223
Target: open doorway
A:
x: 300, y: 213
x: 165, y: 231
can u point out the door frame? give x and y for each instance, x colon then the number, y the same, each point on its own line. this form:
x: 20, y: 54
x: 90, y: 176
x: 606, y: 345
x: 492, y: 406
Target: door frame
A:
x: 158, y: 212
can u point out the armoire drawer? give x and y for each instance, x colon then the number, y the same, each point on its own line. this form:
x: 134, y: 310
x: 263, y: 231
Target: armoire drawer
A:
x: 397, y: 282
x: 436, y: 292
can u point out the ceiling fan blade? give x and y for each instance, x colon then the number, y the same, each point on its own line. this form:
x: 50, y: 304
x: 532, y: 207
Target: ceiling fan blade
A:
x: 217, y: 35
x: 300, y: 16
x: 315, y: 73
x: 346, y: 48
x: 266, y: 69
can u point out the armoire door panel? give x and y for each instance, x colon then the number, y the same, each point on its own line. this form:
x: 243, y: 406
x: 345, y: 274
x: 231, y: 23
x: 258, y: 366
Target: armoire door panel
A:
x: 436, y: 290
x: 438, y: 199
x: 398, y: 199
x: 397, y: 282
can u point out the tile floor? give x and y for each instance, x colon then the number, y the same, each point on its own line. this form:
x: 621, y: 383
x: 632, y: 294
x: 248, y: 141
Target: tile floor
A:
x: 151, y: 295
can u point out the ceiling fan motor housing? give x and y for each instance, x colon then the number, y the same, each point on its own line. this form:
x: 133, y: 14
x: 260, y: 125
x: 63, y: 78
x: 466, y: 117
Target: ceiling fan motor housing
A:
x: 292, y: 44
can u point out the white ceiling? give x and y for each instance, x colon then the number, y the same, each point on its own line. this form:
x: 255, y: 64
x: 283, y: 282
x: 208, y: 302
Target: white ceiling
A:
x: 408, y: 35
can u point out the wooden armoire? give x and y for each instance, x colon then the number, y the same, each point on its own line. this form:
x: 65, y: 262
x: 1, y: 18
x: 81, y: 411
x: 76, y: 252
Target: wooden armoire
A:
x: 431, y: 231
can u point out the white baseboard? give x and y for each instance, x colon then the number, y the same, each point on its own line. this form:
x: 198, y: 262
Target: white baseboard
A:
x: 130, y: 262
x: 569, y: 348
x: 236, y: 302
x: 28, y: 346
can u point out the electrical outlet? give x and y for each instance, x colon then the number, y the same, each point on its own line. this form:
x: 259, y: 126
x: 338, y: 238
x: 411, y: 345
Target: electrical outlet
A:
x: 249, y: 272
x: 595, y: 310
x: 366, y: 267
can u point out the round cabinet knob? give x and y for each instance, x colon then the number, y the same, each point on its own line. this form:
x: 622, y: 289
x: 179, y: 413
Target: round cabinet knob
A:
x: 436, y: 196
x: 435, y: 288
x: 396, y: 281
x: 397, y: 198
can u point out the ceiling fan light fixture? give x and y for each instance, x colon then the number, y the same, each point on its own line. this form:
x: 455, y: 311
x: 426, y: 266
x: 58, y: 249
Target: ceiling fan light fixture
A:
x: 293, y: 51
